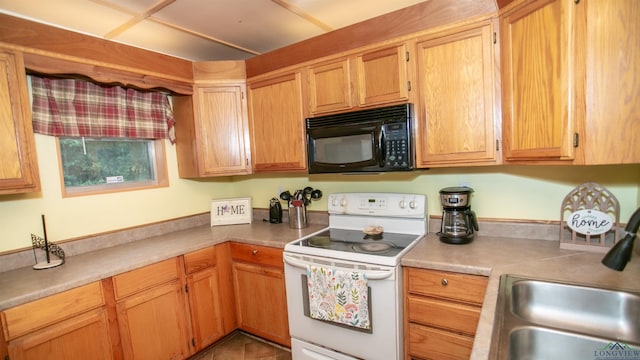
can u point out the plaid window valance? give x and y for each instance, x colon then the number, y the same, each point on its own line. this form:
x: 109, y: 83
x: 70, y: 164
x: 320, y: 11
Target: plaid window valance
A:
x: 72, y: 107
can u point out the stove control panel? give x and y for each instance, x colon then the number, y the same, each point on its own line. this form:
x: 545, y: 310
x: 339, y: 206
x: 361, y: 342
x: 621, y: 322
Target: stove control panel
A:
x: 378, y: 204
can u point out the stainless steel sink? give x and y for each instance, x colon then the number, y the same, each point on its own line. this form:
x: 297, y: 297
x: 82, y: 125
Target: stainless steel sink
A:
x: 539, y: 319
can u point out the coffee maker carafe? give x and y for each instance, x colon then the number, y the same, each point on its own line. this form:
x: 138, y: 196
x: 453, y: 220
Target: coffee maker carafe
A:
x: 458, y: 220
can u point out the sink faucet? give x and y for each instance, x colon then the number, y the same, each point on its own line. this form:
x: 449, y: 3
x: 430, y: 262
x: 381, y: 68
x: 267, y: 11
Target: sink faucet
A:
x: 620, y: 254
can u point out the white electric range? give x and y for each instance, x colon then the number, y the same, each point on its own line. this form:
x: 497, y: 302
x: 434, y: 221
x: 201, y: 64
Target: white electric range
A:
x: 368, y: 234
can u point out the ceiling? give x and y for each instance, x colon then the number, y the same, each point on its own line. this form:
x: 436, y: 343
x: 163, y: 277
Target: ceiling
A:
x: 203, y: 30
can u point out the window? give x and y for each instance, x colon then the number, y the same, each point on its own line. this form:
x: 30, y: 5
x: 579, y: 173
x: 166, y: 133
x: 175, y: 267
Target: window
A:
x: 98, y: 165
x: 109, y: 137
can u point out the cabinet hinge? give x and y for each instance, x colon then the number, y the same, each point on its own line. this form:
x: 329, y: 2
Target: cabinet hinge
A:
x: 242, y: 94
x: 497, y: 145
x: 576, y: 139
x: 495, y: 37
x: 409, y: 85
x: 406, y: 56
x: 193, y: 342
x: 186, y: 288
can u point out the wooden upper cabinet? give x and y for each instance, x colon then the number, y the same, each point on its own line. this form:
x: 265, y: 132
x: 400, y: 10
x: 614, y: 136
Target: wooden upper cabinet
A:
x: 19, y: 166
x: 455, y: 114
x: 212, y: 131
x: 539, y: 122
x: 276, y: 123
x: 612, y: 82
x: 372, y: 77
x: 330, y: 86
x: 570, y: 88
x: 382, y: 75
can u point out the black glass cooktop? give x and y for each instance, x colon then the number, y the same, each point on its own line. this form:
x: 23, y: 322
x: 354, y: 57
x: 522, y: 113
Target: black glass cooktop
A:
x: 383, y: 244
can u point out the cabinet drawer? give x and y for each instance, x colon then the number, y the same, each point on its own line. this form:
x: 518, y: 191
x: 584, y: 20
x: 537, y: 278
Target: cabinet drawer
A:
x: 429, y: 343
x: 261, y: 255
x: 37, y: 314
x: 144, y: 278
x: 447, y: 315
x: 200, y: 259
x: 463, y: 287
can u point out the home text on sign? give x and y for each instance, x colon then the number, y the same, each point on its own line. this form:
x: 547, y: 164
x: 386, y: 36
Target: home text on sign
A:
x: 231, y: 209
x: 589, y: 222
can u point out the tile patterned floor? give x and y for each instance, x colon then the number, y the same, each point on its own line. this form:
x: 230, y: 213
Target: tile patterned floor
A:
x: 240, y: 346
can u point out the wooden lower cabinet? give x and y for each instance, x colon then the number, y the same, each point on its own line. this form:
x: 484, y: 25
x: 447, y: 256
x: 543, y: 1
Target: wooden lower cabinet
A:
x: 203, y: 294
x: 151, y: 312
x: 261, y: 303
x: 67, y: 326
x: 167, y: 310
x: 83, y: 337
x: 442, y: 310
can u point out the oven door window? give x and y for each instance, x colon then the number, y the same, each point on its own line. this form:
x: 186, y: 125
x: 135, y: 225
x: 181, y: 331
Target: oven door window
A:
x: 344, y: 149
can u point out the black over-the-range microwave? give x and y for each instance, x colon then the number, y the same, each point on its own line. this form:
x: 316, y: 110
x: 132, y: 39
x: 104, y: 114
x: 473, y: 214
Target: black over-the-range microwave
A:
x: 373, y: 140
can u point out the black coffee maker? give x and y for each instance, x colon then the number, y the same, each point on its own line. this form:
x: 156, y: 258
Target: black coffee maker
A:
x: 458, y: 221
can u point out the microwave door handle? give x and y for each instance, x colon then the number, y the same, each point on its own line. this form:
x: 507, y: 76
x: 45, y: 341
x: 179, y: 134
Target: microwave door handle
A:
x: 382, y: 148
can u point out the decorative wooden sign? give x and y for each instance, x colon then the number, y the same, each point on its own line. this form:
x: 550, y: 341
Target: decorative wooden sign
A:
x: 231, y: 211
x: 589, y: 219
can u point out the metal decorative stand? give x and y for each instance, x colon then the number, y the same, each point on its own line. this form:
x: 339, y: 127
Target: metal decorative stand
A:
x: 589, y: 196
x: 49, y: 249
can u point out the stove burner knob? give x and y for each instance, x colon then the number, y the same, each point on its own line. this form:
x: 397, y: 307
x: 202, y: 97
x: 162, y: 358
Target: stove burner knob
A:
x: 412, y: 204
x: 403, y: 204
x: 338, y: 202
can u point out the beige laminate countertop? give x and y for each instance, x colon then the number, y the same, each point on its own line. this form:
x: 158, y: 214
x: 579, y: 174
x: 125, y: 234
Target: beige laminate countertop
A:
x: 495, y: 256
x: 486, y: 255
x: 25, y: 284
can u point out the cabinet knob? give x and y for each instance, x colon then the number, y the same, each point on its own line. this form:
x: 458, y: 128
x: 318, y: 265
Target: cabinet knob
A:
x: 254, y: 252
x: 444, y: 282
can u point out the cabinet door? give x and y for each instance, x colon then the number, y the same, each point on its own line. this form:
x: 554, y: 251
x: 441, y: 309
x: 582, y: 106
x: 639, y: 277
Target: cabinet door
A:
x: 538, y: 117
x: 277, y: 124
x: 152, y: 323
x: 19, y: 167
x: 82, y: 337
x: 382, y: 76
x: 456, y: 107
x: 212, y: 139
x: 612, y: 82
x: 204, y: 306
x: 261, y: 301
x: 330, y: 86
x: 223, y: 125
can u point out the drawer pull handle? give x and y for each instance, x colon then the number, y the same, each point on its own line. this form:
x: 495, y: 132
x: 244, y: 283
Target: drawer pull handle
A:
x: 254, y: 252
x: 444, y: 282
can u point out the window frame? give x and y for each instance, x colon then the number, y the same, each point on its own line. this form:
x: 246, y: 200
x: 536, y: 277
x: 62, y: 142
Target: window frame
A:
x: 162, y: 177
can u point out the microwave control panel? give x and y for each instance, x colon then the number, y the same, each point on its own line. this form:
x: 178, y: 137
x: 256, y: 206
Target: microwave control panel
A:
x: 396, y: 144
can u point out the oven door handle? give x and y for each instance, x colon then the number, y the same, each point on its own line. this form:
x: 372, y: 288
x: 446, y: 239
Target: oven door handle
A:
x: 370, y: 274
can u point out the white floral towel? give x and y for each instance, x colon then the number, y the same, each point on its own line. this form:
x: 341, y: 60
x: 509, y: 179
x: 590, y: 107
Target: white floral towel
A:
x: 338, y: 296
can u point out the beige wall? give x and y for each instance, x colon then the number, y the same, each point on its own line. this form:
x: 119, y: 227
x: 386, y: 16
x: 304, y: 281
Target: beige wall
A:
x: 501, y: 192
x: 80, y: 216
x: 509, y: 192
